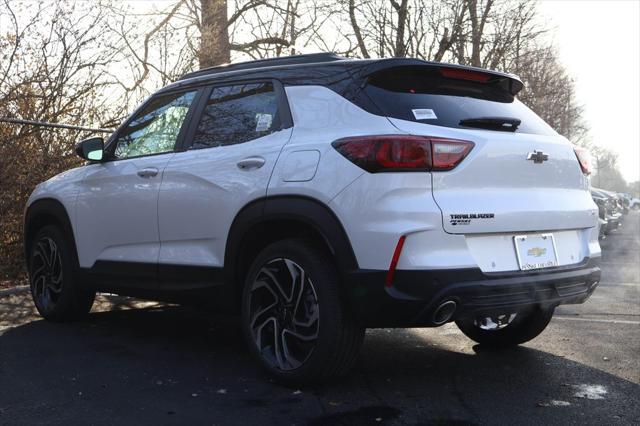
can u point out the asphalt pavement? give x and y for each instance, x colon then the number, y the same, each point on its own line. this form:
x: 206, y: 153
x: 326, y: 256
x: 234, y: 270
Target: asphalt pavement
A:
x: 135, y: 362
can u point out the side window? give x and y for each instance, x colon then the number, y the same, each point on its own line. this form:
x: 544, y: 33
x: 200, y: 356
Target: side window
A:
x: 236, y: 114
x: 155, y: 129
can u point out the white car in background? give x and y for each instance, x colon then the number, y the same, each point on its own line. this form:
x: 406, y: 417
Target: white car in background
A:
x: 319, y: 196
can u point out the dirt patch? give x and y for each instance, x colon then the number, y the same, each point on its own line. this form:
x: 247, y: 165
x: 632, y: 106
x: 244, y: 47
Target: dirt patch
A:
x: 12, y: 283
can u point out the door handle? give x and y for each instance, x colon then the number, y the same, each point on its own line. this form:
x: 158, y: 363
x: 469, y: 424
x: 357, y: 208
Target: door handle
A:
x: 148, y: 172
x: 251, y: 163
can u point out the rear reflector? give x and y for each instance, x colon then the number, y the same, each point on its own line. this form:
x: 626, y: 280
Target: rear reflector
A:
x: 394, y: 261
x: 403, y: 153
x: 584, y: 158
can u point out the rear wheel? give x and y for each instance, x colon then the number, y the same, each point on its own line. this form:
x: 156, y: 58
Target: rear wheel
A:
x: 54, y: 288
x: 294, y: 319
x: 507, y: 329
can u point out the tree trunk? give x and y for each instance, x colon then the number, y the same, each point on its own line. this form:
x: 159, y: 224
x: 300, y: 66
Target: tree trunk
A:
x: 402, y: 10
x: 356, y: 29
x: 477, y: 29
x: 214, y: 37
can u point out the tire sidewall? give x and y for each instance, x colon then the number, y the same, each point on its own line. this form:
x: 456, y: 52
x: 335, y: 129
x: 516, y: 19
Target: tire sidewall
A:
x: 68, y: 300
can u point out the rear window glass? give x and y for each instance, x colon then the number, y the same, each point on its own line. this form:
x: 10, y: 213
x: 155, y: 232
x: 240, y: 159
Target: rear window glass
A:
x: 423, y: 95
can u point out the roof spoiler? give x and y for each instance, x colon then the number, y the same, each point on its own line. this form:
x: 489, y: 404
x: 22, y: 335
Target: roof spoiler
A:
x: 509, y: 82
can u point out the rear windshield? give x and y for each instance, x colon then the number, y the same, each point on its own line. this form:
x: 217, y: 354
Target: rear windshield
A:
x: 423, y: 95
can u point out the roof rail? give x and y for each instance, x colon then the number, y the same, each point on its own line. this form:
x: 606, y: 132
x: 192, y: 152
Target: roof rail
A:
x: 270, y: 62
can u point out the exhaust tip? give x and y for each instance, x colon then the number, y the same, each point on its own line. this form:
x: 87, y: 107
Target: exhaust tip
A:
x: 444, y: 312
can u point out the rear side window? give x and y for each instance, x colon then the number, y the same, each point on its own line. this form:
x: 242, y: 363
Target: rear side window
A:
x: 424, y: 95
x: 237, y: 114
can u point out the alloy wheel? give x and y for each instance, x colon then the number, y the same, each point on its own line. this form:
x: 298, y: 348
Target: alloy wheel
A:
x: 46, y: 273
x: 284, y: 314
x: 497, y: 322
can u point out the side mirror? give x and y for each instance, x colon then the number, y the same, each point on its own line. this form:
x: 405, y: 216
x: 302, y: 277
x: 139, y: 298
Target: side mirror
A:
x: 91, y: 149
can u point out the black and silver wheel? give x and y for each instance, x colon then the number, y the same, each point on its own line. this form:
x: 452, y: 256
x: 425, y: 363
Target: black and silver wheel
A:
x: 52, y: 265
x: 46, y: 273
x: 285, y: 314
x: 509, y: 329
x: 293, y: 315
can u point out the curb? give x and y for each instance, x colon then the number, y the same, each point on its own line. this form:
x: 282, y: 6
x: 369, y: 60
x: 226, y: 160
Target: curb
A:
x: 14, y: 290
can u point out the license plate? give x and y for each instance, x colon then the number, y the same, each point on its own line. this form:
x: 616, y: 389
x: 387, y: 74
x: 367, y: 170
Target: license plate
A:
x: 535, y: 251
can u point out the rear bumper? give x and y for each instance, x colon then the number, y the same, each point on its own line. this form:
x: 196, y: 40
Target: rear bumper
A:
x: 416, y: 294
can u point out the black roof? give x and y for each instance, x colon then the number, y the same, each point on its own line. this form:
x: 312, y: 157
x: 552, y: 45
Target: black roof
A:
x: 313, y: 58
x: 327, y: 69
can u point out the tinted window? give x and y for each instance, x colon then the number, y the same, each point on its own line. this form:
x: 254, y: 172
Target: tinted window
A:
x: 155, y: 129
x: 236, y: 114
x: 421, y: 94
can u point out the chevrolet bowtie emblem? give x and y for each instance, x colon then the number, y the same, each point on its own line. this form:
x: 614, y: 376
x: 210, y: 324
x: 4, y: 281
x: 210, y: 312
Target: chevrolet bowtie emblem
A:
x: 536, y: 251
x: 537, y: 156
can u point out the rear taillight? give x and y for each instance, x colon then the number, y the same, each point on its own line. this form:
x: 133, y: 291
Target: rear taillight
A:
x: 403, y: 153
x: 584, y: 158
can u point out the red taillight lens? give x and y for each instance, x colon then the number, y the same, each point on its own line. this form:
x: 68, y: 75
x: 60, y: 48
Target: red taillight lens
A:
x: 584, y: 158
x: 402, y: 153
x: 386, y: 153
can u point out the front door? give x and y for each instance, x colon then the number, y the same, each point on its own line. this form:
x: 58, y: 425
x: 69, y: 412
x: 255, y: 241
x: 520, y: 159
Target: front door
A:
x: 117, y: 205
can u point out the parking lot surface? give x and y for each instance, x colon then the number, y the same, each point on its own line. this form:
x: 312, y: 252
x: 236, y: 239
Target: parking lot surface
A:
x: 135, y: 362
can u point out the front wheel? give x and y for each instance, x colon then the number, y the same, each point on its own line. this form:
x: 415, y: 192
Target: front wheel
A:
x: 57, y: 294
x: 294, y: 318
x: 507, y: 329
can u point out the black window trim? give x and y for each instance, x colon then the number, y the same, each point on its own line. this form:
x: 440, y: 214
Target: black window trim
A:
x: 110, y: 146
x: 284, y: 112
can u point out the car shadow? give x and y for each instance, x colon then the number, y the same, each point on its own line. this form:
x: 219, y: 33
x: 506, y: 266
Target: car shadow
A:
x: 178, y: 365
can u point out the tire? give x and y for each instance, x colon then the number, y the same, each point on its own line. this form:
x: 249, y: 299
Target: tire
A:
x: 298, y: 328
x: 55, y: 290
x: 522, y: 328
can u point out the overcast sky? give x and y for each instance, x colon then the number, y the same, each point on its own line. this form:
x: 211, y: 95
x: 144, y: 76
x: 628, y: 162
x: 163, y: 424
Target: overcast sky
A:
x: 599, y: 44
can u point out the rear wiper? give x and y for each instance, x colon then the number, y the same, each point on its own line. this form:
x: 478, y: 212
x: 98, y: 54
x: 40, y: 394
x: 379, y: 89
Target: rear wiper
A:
x: 504, y: 124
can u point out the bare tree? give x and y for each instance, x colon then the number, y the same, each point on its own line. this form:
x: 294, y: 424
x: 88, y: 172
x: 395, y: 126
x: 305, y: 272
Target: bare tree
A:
x: 53, y: 72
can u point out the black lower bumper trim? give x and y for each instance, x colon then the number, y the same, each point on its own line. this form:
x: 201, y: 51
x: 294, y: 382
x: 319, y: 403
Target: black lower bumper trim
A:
x: 415, y: 295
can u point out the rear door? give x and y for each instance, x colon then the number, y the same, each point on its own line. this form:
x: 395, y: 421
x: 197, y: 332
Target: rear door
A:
x: 511, y: 181
x: 227, y: 163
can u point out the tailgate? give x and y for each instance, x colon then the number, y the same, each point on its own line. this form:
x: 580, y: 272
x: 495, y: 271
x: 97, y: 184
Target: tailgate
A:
x: 496, y: 189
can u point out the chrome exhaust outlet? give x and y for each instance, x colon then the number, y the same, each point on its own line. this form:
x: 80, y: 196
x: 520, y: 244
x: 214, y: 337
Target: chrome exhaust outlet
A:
x: 444, y: 312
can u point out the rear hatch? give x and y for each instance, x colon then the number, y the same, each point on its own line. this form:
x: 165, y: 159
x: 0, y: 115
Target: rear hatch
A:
x: 520, y: 176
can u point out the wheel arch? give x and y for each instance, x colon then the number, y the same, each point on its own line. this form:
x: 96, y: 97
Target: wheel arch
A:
x: 269, y: 219
x: 43, y: 212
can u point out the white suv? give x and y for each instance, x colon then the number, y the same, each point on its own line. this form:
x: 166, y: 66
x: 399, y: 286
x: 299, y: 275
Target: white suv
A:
x: 319, y: 196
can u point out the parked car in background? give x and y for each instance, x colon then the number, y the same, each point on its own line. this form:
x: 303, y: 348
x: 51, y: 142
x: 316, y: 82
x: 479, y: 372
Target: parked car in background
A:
x: 612, y: 210
x: 625, y: 202
x: 601, y: 202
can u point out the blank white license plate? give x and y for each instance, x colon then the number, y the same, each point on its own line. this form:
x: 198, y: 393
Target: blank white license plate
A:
x: 535, y: 251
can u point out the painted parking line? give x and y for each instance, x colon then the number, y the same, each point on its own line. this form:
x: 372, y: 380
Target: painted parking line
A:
x: 606, y: 284
x: 609, y: 321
